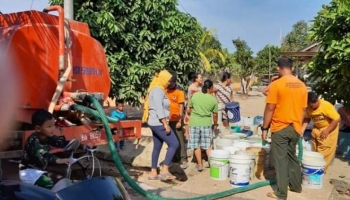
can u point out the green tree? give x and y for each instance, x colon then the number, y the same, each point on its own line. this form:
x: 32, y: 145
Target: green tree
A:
x: 141, y: 37
x: 210, y: 51
x: 230, y: 64
x: 218, y: 67
x: 297, y: 38
x: 245, y: 60
x: 330, y: 68
x: 263, y: 59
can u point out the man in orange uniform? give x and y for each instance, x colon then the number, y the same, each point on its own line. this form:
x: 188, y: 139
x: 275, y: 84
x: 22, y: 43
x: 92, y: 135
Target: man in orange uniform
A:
x: 285, y: 107
x: 177, y: 99
x: 326, y: 126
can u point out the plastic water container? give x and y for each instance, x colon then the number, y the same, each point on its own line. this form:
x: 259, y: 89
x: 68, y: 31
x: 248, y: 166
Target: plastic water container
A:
x: 242, y: 144
x: 235, y: 129
x: 311, y: 155
x: 230, y: 136
x: 252, y: 161
x: 260, y: 161
x: 307, y: 145
x: 258, y: 120
x: 233, y: 112
x: 231, y: 149
x: 240, y: 170
x: 313, y: 170
x: 307, y: 135
x: 222, y: 142
x: 248, y: 121
x: 267, y: 154
x: 219, y: 164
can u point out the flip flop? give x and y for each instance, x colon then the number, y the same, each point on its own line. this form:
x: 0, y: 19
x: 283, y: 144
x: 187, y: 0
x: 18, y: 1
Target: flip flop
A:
x: 184, y: 165
x: 272, y: 195
x: 153, y: 178
x: 167, y: 177
x: 199, y: 169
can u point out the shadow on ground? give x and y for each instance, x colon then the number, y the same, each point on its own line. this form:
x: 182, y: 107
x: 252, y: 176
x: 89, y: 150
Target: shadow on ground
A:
x: 340, y: 157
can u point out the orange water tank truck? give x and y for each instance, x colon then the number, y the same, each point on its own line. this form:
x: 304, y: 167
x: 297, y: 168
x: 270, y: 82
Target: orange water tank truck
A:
x: 58, y: 62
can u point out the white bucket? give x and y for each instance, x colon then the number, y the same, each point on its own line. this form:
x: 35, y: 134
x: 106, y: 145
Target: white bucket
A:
x: 307, y: 145
x: 230, y: 136
x: 242, y: 144
x: 240, y: 170
x: 219, y: 164
x: 249, y: 154
x: 267, y: 154
x: 222, y: 142
x: 254, y: 139
x: 252, y: 157
x: 313, y: 171
x: 241, y: 135
x: 231, y: 149
x: 307, y: 155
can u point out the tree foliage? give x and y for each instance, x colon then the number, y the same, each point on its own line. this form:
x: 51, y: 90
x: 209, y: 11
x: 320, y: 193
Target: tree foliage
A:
x: 243, y: 56
x: 210, y: 50
x: 297, y: 38
x: 230, y: 64
x: 331, y: 67
x: 263, y: 59
x: 141, y: 37
x: 245, y: 60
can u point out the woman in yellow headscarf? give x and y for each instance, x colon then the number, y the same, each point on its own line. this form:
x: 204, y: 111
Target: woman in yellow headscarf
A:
x: 156, y: 114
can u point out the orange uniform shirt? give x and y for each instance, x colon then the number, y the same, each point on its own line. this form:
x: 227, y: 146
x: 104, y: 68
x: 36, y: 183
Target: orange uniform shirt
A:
x: 176, y: 97
x: 289, y: 94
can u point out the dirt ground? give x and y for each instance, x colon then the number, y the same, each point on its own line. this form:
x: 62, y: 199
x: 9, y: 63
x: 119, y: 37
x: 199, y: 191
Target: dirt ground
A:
x: 199, y: 184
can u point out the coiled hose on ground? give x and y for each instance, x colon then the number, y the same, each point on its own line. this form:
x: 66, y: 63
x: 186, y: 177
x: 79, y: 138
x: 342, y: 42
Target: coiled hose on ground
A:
x: 100, y: 114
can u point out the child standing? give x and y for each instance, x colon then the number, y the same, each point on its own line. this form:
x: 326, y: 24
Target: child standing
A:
x: 326, y: 126
x: 36, y: 155
x: 121, y: 115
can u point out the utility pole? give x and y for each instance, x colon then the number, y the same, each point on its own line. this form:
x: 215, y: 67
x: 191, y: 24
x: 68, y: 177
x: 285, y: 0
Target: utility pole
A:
x: 68, y: 9
x: 281, y: 38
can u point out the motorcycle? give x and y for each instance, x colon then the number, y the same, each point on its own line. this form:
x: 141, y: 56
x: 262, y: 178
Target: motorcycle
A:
x: 91, y: 188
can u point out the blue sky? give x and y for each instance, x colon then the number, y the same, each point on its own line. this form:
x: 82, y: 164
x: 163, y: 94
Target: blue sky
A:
x: 259, y: 22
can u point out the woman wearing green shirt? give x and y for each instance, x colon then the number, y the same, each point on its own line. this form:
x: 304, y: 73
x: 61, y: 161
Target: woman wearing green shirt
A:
x: 203, y: 108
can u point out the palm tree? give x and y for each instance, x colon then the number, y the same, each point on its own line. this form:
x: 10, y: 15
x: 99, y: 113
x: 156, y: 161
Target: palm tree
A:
x: 210, y: 49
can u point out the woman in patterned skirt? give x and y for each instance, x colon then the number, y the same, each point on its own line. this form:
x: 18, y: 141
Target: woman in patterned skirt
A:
x: 224, y: 94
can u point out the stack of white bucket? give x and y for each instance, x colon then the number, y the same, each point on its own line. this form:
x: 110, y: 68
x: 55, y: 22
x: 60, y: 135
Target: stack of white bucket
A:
x: 230, y: 159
